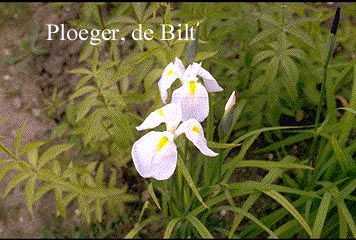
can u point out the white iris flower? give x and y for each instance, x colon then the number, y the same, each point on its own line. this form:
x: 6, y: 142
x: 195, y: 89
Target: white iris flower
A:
x: 192, y: 95
x: 155, y: 154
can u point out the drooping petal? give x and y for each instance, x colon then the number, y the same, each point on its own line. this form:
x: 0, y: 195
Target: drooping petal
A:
x: 194, y: 132
x: 193, y: 99
x: 155, y: 155
x: 171, y: 114
x: 209, y: 81
x: 230, y: 103
x: 169, y: 75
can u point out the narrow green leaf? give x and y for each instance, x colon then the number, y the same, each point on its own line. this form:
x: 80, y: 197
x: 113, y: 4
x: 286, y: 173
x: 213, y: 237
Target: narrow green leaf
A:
x: 99, y: 210
x: 138, y: 228
x: 262, y: 35
x: 270, y: 164
x: 192, y: 47
x: 201, y: 56
x: 30, y: 146
x: 290, y: 208
x: 222, y: 145
x: 8, y: 167
x: 82, y: 91
x: 15, y: 181
x: 52, y: 153
x: 153, y: 195
x: 347, y: 215
x: 18, y: 138
x: 188, y: 178
x: 81, y: 71
x: 170, y: 227
x: 41, y: 190
x: 29, y: 193
x: 199, y: 226
x: 321, y: 216
x: 6, y: 150
x: 99, y: 178
x: 249, y: 216
x: 259, y: 57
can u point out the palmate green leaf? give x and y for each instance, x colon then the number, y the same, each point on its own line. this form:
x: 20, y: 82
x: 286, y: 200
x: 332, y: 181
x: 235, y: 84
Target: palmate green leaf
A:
x: 51, y: 153
x: 29, y: 193
x: 170, y: 227
x: 17, y: 179
x: 321, y: 216
x: 141, y: 225
x: 188, y: 178
x: 199, y: 226
x: 290, y: 208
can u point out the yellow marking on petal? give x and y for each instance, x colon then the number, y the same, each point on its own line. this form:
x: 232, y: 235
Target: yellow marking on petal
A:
x: 169, y: 72
x: 196, y: 129
x: 162, y: 142
x: 192, y: 87
x: 160, y: 112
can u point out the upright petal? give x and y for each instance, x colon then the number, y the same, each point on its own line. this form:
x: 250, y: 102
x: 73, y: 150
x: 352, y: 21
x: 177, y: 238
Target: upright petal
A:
x: 169, y: 75
x: 209, y: 81
x: 194, y: 132
x: 193, y: 99
x: 230, y: 103
x: 191, y: 72
x: 171, y: 114
x: 155, y: 155
x: 180, y: 69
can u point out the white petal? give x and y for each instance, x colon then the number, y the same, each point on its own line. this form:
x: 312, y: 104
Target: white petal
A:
x: 191, y: 72
x: 171, y: 114
x: 209, y: 81
x: 155, y: 155
x: 180, y: 69
x: 169, y: 75
x: 194, y: 132
x: 193, y: 100
x: 230, y: 103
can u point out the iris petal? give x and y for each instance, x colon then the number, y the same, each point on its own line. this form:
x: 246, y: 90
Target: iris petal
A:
x: 194, y: 132
x: 155, y: 155
x: 193, y: 99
